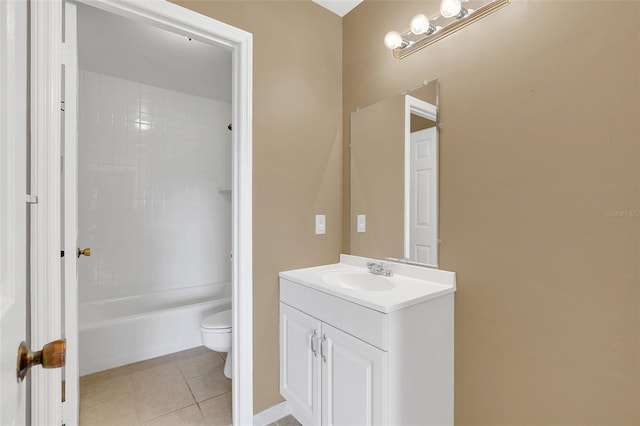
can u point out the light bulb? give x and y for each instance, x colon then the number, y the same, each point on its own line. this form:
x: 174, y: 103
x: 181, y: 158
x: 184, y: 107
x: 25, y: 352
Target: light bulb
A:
x: 419, y: 24
x: 393, y: 40
x: 450, y: 8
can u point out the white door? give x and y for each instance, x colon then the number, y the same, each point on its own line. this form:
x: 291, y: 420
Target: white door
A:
x: 300, y: 364
x: 354, y: 380
x: 423, y: 197
x: 13, y: 230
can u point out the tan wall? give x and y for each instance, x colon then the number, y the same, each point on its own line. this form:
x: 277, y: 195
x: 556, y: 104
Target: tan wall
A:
x: 297, y: 125
x: 377, y: 178
x: 540, y: 104
x: 419, y: 123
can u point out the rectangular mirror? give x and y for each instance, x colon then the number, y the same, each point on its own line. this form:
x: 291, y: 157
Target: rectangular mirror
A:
x: 394, y: 178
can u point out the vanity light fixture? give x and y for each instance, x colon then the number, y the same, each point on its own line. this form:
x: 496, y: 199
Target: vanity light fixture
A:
x: 424, y: 31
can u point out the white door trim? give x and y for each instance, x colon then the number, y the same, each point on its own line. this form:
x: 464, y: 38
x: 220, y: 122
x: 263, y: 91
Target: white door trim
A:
x: 70, y: 409
x: 46, y: 285
x: 426, y: 110
x: 46, y: 59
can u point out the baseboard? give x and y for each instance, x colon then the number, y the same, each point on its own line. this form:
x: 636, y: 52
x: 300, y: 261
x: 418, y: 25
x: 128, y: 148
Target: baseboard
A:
x: 272, y: 414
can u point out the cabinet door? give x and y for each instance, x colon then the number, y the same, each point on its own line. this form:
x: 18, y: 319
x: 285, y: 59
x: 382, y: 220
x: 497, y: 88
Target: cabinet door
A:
x: 354, y: 380
x: 300, y: 364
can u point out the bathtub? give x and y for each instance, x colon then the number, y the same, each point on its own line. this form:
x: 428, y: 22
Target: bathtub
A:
x: 120, y: 331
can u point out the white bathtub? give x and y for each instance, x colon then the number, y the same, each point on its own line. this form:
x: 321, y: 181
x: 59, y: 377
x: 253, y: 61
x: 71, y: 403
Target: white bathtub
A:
x: 120, y: 331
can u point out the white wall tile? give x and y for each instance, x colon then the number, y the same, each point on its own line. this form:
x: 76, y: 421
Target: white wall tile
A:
x: 151, y: 161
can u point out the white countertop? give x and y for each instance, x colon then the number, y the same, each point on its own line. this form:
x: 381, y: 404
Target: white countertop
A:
x: 413, y: 284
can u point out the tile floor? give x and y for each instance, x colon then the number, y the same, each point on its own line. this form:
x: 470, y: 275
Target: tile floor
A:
x: 286, y: 421
x: 185, y: 388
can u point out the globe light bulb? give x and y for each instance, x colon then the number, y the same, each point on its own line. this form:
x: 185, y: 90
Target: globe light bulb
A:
x: 419, y: 24
x: 450, y: 8
x: 393, y: 40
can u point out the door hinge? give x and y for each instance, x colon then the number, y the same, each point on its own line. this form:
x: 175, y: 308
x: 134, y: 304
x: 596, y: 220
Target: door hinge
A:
x: 67, y: 54
x: 61, y: 105
x: 62, y: 165
x: 31, y: 199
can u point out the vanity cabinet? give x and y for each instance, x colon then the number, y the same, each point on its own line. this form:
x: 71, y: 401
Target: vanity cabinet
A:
x: 328, y: 376
x: 343, y: 363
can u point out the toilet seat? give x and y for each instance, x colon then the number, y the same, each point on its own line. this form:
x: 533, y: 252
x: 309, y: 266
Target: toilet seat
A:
x: 216, y: 335
x: 220, y: 322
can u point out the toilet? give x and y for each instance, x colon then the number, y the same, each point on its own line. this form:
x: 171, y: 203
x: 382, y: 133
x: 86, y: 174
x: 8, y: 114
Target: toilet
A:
x: 216, y: 335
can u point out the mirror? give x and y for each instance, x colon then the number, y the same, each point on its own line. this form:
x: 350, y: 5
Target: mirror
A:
x: 394, y: 178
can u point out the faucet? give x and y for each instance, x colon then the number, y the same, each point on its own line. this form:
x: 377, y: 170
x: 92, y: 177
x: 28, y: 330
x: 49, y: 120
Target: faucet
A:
x: 378, y: 268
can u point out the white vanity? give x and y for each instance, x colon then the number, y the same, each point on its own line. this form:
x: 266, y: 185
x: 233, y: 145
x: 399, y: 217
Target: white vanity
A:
x: 364, y: 349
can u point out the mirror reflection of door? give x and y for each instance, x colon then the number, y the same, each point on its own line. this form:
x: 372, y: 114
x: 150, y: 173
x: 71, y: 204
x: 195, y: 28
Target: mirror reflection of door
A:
x: 422, y: 167
x: 421, y: 182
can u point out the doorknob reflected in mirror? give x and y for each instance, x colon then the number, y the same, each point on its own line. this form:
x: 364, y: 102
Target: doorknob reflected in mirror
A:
x: 84, y: 252
x: 52, y: 355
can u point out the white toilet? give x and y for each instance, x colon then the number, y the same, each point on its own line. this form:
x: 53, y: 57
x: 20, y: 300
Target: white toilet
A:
x: 216, y: 335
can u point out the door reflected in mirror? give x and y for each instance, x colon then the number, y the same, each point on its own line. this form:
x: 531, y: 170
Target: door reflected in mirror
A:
x: 394, y: 178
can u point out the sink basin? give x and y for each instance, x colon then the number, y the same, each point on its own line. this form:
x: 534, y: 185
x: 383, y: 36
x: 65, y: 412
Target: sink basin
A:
x: 350, y: 280
x: 360, y: 281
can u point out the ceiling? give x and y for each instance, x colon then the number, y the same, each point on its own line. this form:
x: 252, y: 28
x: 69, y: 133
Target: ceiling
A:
x: 119, y: 47
x: 339, y: 7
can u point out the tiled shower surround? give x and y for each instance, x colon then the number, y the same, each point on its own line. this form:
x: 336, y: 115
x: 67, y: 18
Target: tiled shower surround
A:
x: 154, y: 170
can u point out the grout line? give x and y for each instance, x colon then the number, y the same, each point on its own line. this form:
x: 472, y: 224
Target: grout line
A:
x: 220, y: 394
x: 167, y: 413
x: 191, y: 390
x: 202, y: 414
x: 209, y: 399
x: 181, y: 372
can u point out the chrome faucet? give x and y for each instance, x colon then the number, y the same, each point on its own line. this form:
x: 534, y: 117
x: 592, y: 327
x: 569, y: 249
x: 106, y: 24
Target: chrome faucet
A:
x: 378, y: 268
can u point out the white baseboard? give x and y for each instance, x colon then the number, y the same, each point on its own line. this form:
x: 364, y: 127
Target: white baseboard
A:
x: 272, y: 414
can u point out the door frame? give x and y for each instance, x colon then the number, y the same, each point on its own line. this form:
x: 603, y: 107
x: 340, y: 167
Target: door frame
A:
x: 429, y: 111
x: 13, y: 207
x: 47, y: 53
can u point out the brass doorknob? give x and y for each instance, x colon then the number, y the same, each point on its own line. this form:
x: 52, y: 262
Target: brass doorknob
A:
x: 51, y: 356
x: 84, y: 252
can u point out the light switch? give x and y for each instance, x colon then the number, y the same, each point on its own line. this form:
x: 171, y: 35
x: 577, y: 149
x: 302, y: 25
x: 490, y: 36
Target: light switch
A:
x: 362, y: 223
x: 321, y: 224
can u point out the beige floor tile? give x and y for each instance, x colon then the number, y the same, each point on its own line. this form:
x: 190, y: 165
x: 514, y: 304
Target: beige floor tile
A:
x: 153, y: 362
x: 104, y: 375
x: 159, y: 375
x: 200, y: 364
x: 188, y: 416
x: 286, y: 421
x: 105, y: 390
x: 217, y: 411
x: 162, y: 400
x: 210, y: 384
x: 155, y: 392
x: 190, y: 353
x: 119, y: 412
